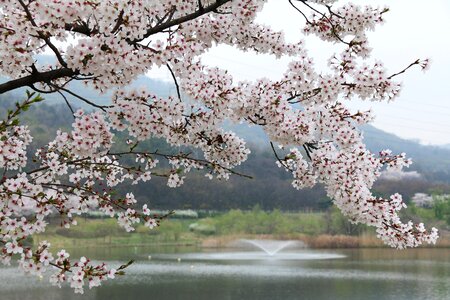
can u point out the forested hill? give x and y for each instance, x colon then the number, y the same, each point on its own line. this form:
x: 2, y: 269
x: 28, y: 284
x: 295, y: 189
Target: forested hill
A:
x: 426, y: 158
x: 271, y: 186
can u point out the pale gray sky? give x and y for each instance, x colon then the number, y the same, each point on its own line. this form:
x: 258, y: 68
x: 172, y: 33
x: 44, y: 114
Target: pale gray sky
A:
x: 414, y: 29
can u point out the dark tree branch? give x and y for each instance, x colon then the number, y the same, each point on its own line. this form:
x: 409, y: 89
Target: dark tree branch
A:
x: 175, y: 81
x: 41, y: 91
x: 119, y: 22
x: 167, y: 17
x: 81, y: 28
x: 281, y: 161
x: 301, y: 12
x: 334, y: 30
x: 307, y: 151
x: 47, y: 167
x: 31, y: 79
x: 296, y: 98
x: 43, y: 36
x: 189, y: 17
x: 405, y: 69
x: 203, y: 162
x: 67, y: 102
x: 200, y: 5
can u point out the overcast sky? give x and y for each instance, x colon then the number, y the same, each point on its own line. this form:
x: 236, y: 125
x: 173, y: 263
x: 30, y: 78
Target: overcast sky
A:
x: 414, y: 29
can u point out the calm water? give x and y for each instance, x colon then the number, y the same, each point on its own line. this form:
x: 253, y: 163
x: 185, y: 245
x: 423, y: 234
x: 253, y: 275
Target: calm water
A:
x: 301, y: 274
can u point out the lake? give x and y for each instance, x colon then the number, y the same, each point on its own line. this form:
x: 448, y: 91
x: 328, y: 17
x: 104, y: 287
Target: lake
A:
x: 189, y: 273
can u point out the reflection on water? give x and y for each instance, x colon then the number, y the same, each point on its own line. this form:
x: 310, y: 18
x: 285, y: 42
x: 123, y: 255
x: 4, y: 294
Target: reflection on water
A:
x: 190, y: 274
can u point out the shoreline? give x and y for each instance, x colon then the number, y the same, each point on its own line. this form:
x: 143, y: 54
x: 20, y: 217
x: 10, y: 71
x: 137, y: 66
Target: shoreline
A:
x: 322, y: 241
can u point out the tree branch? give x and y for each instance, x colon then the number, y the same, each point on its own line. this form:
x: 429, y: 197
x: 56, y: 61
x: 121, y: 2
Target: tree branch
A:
x: 416, y: 62
x: 175, y: 81
x: 42, y: 35
x: 102, y: 107
x: 189, y: 17
x: 84, y: 29
x: 35, y: 78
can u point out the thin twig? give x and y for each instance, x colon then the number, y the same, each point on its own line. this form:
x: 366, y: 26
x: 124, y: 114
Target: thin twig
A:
x: 102, y: 107
x: 307, y: 151
x: 67, y: 102
x: 282, y: 162
x: 183, y: 156
x: 333, y: 26
x: 175, y: 81
x: 302, y: 13
x: 405, y: 69
x: 186, y: 18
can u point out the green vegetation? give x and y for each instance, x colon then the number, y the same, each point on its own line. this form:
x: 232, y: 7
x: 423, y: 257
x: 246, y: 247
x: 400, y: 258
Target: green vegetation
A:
x: 441, y: 208
x: 277, y: 223
x: 437, y: 215
x: 94, y: 232
x: 320, y: 229
x: 106, y: 232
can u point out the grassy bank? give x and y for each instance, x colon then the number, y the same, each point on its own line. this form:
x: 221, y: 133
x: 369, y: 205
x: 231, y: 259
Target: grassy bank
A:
x: 106, y: 233
x: 316, y: 229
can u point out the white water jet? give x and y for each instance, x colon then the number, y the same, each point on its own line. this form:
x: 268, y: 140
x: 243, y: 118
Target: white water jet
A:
x: 267, y: 250
x: 272, y: 247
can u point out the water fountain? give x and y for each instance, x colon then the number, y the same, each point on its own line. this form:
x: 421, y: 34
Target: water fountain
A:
x: 261, y: 250
x: 272, y: 247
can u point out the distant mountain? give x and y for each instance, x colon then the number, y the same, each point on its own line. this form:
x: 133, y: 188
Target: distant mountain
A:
x: 425, y: 158
x: 446, y: 146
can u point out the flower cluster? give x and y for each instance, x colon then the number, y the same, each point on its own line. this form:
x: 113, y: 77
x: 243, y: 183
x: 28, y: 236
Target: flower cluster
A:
x: 90, y: 137
x: 348, y: 20
x: 13, y: 146
x: 301, y: 170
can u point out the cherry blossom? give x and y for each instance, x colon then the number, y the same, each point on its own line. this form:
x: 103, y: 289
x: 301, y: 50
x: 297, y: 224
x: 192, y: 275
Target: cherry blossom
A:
x: 107, y: 44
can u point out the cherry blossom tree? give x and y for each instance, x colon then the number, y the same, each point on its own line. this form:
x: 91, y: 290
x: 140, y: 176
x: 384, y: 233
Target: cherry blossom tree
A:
x: 108, y: 43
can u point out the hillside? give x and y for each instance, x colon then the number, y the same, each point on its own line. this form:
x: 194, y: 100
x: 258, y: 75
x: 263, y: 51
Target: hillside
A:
x: 426, y: 158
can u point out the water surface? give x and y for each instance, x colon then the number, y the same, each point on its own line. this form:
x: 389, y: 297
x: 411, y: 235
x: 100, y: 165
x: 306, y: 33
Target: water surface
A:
x: 188, y: 273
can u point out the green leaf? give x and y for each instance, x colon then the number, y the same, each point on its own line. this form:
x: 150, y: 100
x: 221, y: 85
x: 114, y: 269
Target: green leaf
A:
x: 38, y: 98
